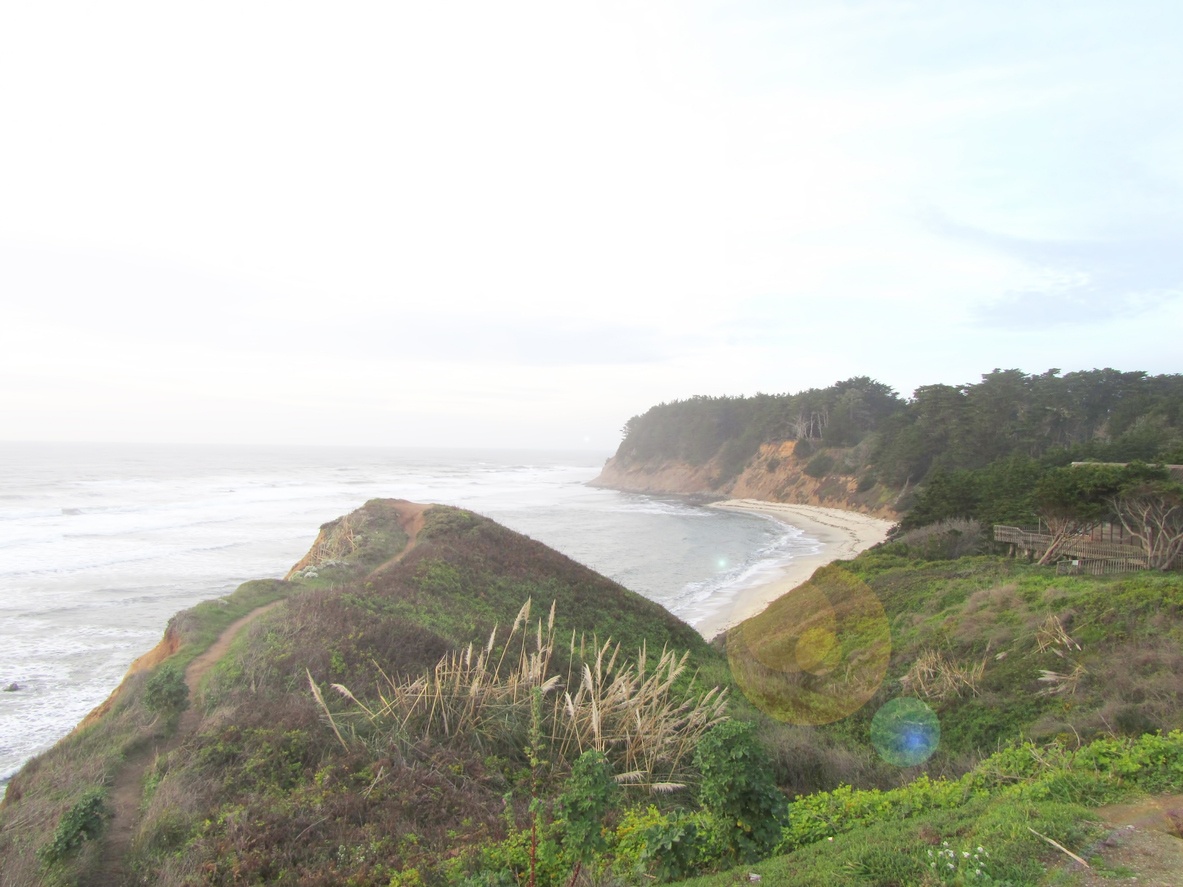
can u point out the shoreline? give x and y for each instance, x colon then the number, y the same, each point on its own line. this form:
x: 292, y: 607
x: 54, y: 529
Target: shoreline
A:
x: 842, y: 534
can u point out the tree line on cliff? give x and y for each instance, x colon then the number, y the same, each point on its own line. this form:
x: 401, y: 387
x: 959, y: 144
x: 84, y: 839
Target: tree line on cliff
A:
x: 974, y: 450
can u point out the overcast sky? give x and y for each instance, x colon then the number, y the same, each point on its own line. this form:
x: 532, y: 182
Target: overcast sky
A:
x: 432, y: 223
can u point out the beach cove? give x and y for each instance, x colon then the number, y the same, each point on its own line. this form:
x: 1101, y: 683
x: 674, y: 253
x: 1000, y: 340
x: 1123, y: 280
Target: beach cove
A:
x: 842, y: 535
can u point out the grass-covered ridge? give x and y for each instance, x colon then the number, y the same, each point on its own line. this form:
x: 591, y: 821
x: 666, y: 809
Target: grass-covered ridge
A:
x: 269, y: 787
x: 1002, y: 652
x: 63, y: 796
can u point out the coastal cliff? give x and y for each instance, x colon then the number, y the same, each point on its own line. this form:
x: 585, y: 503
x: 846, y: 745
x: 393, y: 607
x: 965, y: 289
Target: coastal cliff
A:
x: 973, y: 451
x: 773, y: 474
x: 229, y: 755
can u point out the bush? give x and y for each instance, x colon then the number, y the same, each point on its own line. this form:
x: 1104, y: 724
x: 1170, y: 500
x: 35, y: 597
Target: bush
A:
x: 949, y: 539
x: 166, y: 692
x: 590, y: 796
x: 747, y: 811
x: 80, y: 823
x: 820, y: 465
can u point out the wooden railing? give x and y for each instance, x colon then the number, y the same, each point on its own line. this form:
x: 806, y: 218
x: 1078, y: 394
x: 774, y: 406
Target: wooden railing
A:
x: 1077, y: 554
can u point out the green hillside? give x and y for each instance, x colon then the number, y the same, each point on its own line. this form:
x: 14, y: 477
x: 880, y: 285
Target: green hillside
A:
x: 430, y: 698
x: 270, y: 775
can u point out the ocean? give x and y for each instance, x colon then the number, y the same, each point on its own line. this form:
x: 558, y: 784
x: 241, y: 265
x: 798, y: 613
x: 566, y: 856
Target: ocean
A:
x: 101, y: 544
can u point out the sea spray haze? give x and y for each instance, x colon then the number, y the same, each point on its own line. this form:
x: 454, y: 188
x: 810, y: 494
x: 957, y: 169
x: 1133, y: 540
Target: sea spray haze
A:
x: 101, y: 544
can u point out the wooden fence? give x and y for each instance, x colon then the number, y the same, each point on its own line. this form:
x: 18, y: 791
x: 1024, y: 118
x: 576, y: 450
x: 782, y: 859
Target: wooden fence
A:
x: 1077, y: 554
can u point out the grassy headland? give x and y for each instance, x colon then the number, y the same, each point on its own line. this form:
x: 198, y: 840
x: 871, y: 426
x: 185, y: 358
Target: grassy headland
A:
x: 402, y: 718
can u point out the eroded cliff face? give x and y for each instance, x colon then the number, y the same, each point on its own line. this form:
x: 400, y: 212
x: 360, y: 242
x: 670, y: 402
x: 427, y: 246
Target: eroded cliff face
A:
x: 169, y: 644
x: 772, y: 475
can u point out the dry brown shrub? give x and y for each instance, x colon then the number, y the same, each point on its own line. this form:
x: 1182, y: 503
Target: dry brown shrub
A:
x: 1061, y: 683
x: 1053, y: 636
x: 998, y: 598
x: 933, y: 676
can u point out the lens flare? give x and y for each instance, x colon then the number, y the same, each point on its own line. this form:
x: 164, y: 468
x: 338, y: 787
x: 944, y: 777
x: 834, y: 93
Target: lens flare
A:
x: 905, y: 732
x: 816, y: 655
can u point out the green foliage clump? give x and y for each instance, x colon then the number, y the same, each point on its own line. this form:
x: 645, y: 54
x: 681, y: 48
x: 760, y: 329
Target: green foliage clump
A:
x: 590, y: 796
x: 444, y: 521
x: 746, y: 810
x: 731, y: 429
x: 995, y: 820
x: 949, y: 539
x: 820, y: 465
x: 82, y: 822
x: 166, y: 692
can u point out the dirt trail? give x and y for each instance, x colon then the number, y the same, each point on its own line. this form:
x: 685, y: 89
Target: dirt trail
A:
x: 1143, y: 845
x: 127, y: 790
x: 411, y: 519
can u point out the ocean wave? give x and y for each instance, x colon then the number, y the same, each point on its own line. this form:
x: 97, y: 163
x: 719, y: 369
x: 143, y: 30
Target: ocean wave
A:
x: 83, y: 565
x: 30, y: 514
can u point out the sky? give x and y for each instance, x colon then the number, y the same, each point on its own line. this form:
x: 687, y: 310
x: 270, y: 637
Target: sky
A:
x: 519, y: 223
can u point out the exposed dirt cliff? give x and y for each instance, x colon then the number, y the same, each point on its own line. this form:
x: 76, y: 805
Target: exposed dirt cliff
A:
x: 169, y: 644
x: 773, y: 475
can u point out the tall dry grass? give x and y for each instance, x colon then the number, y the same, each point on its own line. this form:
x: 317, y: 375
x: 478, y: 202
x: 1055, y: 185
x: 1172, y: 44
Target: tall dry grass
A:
x: 644, y: 717
x: 934, y: 676
x: 1054, y: 637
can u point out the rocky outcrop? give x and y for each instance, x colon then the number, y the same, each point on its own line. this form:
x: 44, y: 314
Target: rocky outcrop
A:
x: 774, y: 474
x: 336, y: 540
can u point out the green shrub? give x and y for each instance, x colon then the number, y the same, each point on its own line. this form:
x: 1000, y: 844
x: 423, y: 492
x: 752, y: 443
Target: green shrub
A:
x: 820, y: 465
x: 82, y: 822
x: 166, y: 692
x: 673, y: 847
x: 589, y: 797
x: 747, y: 811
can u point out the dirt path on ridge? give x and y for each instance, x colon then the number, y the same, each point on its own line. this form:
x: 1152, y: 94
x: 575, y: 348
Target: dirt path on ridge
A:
x: 123, y: 800
x: 411, y: 517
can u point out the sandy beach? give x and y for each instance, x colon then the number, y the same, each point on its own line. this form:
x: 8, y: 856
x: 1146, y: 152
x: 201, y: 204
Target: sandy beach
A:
x: 843, y: 535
